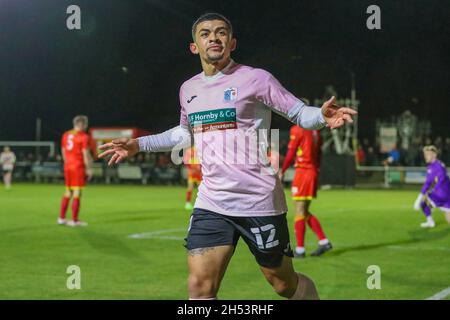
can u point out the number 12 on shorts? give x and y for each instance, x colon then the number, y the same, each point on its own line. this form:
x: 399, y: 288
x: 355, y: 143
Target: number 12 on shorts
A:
x: 270, y: 243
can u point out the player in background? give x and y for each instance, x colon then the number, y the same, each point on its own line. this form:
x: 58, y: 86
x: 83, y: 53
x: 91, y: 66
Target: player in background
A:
x: 194, y: 173
x: 234, y: 200
x: 273, y: 156
x: 77, y: 169
x: 305, y: 146
x: 435, y: 192
x: 7, y: 160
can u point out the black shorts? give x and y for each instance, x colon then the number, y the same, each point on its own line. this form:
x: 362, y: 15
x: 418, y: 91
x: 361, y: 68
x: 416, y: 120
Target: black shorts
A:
x: 266, y: 237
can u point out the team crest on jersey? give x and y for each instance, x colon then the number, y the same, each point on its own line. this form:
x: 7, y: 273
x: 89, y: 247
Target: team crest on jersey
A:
x: 230, y: 94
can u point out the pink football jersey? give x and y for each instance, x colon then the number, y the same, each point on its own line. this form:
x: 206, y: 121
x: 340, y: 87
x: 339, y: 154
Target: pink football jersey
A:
x: 226, y: 113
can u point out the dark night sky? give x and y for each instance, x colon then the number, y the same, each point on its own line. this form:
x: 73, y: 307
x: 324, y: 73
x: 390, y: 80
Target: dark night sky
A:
x: 50, y: 72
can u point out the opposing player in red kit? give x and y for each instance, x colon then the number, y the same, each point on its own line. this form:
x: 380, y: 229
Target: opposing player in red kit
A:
x: 305, y: 146
x: 77, y: 169
x: 194, y: 174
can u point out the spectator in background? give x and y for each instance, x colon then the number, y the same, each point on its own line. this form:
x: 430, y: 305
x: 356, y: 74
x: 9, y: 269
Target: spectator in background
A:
x: 409, y: 154
x: 131, y: 160
x: 162, y: 172
x: 21, y: 157
x: 393, y: 158
x: 371, y: 157
x: 366, y: 144
x: 28, y: 162
x: 50, y: 157
x: 377, y: 148
x: 162, y: 160
x: 438, y: 143
x: 140, y: 159
x: 150, y: 158
x: 361, y: 155
x: 413, y: 155
x: 39, y: 159
x: 283, y: 147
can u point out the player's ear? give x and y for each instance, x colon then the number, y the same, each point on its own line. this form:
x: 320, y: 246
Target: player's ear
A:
x: 193, y: 47
x: 233, y: 44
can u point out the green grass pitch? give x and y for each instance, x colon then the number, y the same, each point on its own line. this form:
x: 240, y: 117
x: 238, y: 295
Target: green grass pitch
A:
x: 366, y: 228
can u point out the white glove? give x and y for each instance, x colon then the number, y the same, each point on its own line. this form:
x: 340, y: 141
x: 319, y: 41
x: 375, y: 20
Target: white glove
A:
x: 418, y: 201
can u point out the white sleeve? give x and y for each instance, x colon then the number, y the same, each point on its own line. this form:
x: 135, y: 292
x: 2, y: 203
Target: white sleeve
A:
x: 179, y: 137
x: 307, y: 117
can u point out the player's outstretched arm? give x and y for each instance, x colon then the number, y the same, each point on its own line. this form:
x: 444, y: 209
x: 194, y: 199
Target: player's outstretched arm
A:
x: 119, y: 149
x: 336, y: 116
x: 313, y: 118
x: 290, y: 155
x: 272, y: 94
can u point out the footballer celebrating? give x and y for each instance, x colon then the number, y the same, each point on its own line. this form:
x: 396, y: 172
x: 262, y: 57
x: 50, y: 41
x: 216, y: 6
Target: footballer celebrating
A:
x: 235, y: 199
x: 305, y: 146
x: 77, y: 169
x: 435, y: 192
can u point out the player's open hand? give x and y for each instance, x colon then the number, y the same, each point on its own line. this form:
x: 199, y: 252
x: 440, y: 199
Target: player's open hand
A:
x: 335, y: 115
x: 119, y: 149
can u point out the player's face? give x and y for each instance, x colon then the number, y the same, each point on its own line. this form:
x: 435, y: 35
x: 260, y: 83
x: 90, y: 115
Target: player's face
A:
x: 82, y: 126
x: 429, y: 156
x: 213, y: 41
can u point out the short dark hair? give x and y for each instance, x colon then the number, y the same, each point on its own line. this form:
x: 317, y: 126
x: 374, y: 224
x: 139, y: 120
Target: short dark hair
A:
x: 208, y: 17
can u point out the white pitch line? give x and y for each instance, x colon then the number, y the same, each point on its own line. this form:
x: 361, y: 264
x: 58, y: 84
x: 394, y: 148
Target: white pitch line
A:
x: 415, y: 248
x: 440, y: 295
x: 158, y: 234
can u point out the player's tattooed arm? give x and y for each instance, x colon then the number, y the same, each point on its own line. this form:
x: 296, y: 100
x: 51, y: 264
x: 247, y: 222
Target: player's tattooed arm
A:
x: 199, y: 251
